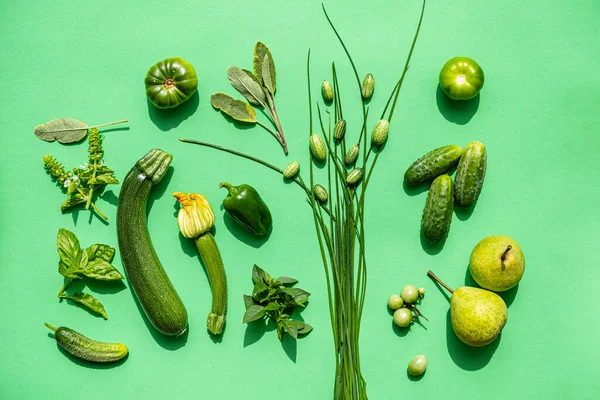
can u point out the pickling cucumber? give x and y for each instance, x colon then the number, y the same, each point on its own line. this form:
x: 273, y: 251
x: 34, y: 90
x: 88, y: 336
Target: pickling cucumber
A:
x: 87, y: 349
x: 432, y: 164
x: 470, y: 174
x: 437, y: 214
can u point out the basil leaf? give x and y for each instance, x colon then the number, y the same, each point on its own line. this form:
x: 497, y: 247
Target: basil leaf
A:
x: 104, y: 179
x: 100, y: 251
x: 89, y: 301
x: 66, y: 271
x: 101, y: 270
x: 72, y: 201
x: 290, y: 327
x: 284, y: 280
x: 305, y: 328
x: 69, y: 250
x: 266, y: 75
x: 246, y: 86
x: 259, y: 288
x: 65, y: 130
x: 253, y: 313
x: 248, y: 301
x: 260, y: 51
x: 236, y: 109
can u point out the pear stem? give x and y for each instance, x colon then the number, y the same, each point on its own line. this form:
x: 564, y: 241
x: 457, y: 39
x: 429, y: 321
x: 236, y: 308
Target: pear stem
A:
x: 503, y: 258
x: 432, y: 276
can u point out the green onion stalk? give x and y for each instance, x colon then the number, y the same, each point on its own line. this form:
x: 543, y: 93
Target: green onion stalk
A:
x: 340, y: 227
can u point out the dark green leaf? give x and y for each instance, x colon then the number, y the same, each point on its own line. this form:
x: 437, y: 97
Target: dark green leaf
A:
x: 272, y: 306
x: 290, y: 327
x: 259, y: 288
x: 305, y: 329
x: 248, y: 301
x: 266, y: 74
x: 246, y: 86
x: 259, y: 275
x: 101, y: 270
x: 65, y: 130
x: 284, y: 280
x: 100, y: 251
x: 88, y: 301
x: 253, y: 313
x: 104, y: 179
x: 236, y: 109
x: 260, y: 51
x: 72, y: 202
x: 68, y: 248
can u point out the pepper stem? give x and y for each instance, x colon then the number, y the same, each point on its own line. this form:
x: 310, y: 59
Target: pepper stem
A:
x: 227, y: 186
x: 50, y: 327
x: 432, y: 276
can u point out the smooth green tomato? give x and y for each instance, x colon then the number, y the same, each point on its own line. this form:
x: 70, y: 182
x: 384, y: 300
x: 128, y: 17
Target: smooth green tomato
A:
x: 395, y: 302
x: 421, y: 292
x: 417, y: 365
x: 409, y: 294
x: 170, y: 82
x: 403, y: 317
x: 461, y: 78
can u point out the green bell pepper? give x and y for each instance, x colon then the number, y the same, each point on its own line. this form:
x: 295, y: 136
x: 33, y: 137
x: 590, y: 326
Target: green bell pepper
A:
x: 170, y: 82
x: 246, y: 207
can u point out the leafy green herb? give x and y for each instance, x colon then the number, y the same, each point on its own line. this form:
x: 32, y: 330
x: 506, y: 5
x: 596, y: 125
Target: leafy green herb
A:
x: 258, y: 88
x: 273, y: 299
x: 81, y: 183
x: 66, y: 130
x: 92, y: 262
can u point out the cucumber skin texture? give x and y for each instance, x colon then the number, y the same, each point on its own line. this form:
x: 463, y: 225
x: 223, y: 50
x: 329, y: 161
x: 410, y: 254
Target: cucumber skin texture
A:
x: 433, y: 164
x: 87, y: 349
x: 147, y: 277
x: 437, y: 214
x: 470, y: 174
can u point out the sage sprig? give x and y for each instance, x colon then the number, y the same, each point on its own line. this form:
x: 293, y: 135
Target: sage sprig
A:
x: 84, y: 181
x: 275, y: 299
x: 66, y: 130
x: 258, y: 88
x: 76, y: 263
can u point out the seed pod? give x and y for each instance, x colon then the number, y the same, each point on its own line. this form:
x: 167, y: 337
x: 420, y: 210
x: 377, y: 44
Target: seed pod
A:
x: 317, y: 147
x: 354, y: 177
x: 380, y: 132
x: 320, y: 193
x: 291, y: 170
x: 339, y: 130
x: 327, y: 92
x: 368, y: 86
x: 351, y: 156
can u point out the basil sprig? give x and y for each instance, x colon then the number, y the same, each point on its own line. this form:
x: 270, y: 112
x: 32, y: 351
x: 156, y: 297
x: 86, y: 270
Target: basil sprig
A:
x: 76, y: 263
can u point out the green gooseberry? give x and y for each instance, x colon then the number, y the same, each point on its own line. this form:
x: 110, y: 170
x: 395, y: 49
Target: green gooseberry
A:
x: 403, y: 317
x: 409, y: 294
x: 395, y: 302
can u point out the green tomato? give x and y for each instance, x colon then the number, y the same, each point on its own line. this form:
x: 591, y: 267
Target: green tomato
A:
x: 461, y: 78
x: 395, y: 302
x: 170, y: 82
x: 403, y: 317
x: 409, y: 294
x: 417, y: 365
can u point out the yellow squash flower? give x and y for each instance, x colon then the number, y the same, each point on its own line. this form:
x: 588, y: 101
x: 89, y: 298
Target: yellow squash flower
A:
x: 195, y: 216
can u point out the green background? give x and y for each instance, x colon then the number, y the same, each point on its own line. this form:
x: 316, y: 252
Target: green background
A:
x: 537, y: 114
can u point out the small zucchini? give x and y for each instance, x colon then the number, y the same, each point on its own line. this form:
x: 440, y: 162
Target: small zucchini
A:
x: 433, y: 164
x: 146, y: 275
x: 437, y: 214
x: 87, y: 349
x: 470, y: 174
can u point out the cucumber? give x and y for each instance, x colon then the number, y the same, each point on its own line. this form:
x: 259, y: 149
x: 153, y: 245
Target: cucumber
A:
x: 437, y: 214
x: 151, y: 285
x: 432, y: 164
x: 470, y: 174
x: 87, y: 349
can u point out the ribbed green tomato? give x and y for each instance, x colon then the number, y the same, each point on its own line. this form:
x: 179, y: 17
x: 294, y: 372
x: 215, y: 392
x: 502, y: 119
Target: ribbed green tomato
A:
x: 461, y: 78
x: 170, y: 82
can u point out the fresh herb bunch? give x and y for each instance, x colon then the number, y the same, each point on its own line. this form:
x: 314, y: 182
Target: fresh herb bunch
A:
x: 275, y: 299
x: 258, y: 88
x: 92, y: 262
x: 81, y: 183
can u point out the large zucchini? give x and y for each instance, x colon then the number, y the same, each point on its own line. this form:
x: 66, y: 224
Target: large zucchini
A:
x: 145, y: 274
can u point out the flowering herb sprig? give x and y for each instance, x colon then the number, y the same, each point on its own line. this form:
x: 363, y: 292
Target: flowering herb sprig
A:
x: 86, y: 180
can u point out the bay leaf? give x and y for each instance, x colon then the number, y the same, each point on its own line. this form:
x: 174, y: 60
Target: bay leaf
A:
x: 246, y: 86
x: 266, y: 75
x: 65, y: 130
x: 236, y: 109
x: 101, y: 270
x: 260, y: 50
x: 87, y: 300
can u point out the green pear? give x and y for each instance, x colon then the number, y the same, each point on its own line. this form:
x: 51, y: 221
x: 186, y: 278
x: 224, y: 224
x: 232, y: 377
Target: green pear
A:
x: 497, y: 263
x: 477, y: 315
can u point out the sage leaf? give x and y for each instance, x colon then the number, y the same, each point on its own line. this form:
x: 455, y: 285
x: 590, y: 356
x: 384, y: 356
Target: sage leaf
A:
x: 248, y: 301
x: 266, y: 75
x: 260, y: 51
x: 65, y: 130
x: 72, y: 202
x: 236, y: 109
x: 101, y: 270
x: 104, y: 179
x: 68, y: 247
x: 253, y: 313
x: 246, y: 86
x: 251, y: 75
x: 284, y: 280
x: 89, y: 301
x: 100, y: 251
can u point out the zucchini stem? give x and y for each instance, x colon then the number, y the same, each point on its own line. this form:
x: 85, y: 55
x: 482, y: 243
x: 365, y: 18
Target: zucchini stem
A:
x: 211, y: 257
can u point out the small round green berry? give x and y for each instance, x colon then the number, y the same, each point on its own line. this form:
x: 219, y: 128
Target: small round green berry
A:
x: 395, y: 302
x: 409, y: 294
x: 417, y: 365
x: 403, y: 317
x: 421, y: 292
